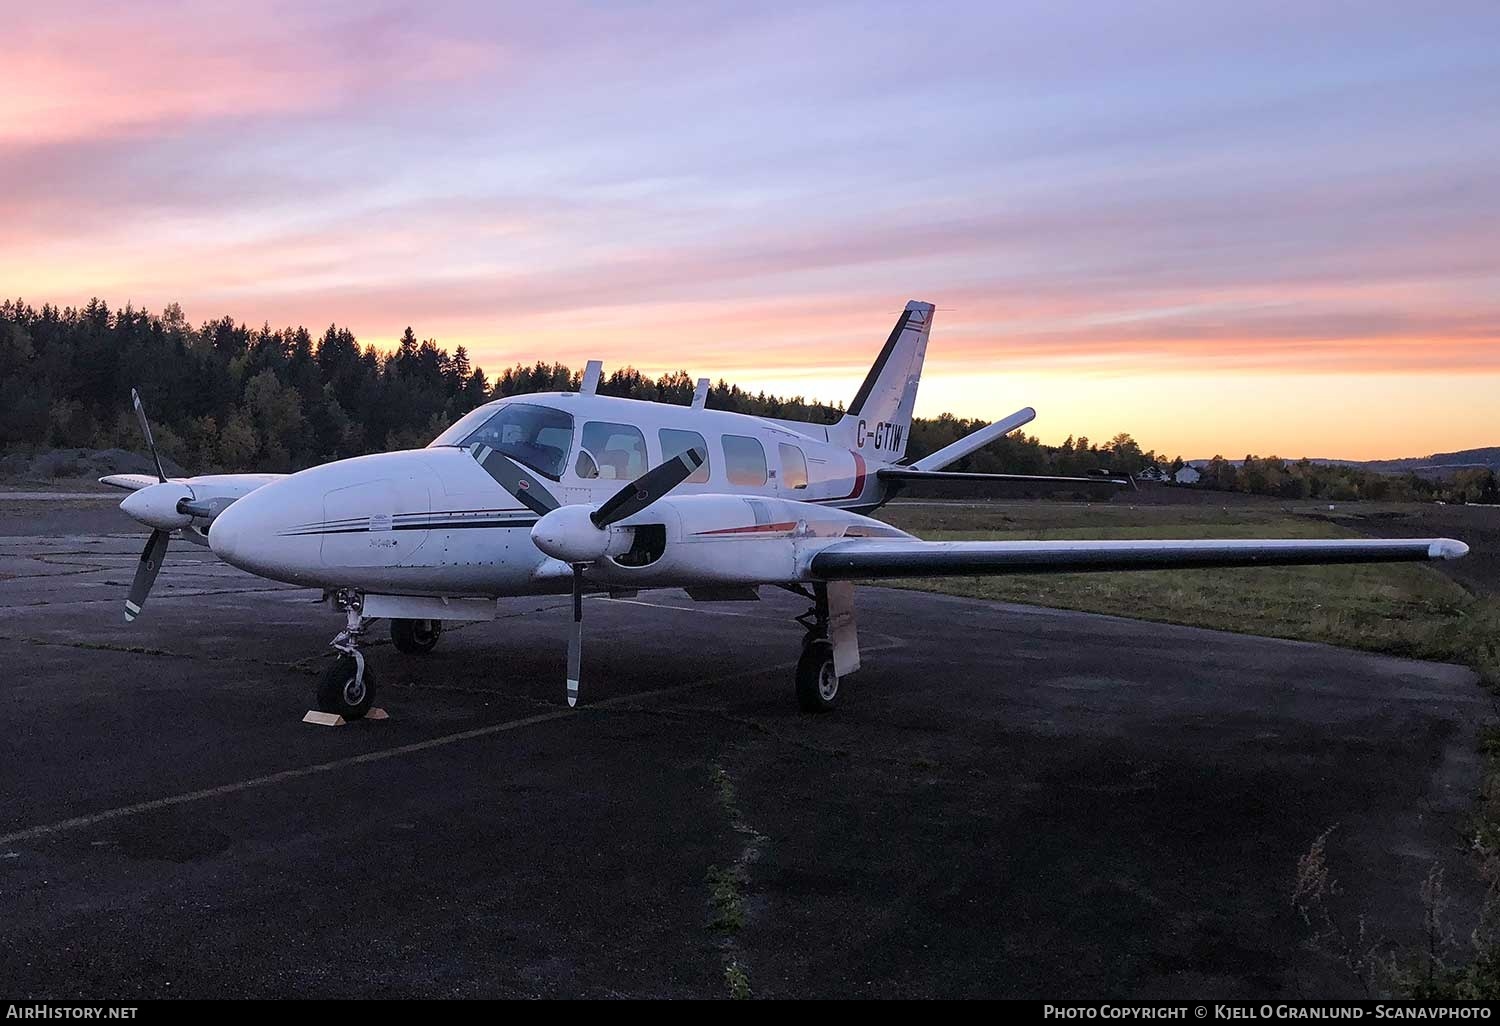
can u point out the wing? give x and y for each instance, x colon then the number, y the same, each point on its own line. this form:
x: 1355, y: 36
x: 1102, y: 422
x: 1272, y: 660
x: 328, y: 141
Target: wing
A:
x: 853, y: 559
x: 912, y: 474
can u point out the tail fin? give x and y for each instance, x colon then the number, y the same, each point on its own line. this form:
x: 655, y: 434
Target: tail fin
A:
x: 879, y: 418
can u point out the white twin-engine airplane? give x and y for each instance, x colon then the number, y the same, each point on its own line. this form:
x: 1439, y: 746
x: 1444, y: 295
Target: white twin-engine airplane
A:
x: 579, y: 492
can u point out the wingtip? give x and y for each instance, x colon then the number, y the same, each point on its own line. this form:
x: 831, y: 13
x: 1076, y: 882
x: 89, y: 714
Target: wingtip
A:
x: 1447, y: 548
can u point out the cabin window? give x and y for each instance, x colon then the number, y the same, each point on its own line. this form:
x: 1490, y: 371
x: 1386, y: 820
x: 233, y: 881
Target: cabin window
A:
x: 744, y: 461
x: 793, y: 467
x: 536, y: 436
x: 611, y: 452
x: 674, y: 443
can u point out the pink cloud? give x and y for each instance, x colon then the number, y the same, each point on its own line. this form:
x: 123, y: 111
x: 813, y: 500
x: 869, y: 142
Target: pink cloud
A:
x: 119, y: 71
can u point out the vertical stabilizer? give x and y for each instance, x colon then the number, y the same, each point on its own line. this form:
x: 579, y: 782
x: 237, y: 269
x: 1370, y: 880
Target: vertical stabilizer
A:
x: 879, y: 418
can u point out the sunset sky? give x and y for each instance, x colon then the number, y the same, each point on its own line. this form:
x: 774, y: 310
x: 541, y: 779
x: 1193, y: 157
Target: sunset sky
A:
x: 1223, y: 227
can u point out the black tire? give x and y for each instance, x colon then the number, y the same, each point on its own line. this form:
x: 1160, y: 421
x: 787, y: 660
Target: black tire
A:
x: 416, y: 637
x: 817, y: 684
x: 337, y: 692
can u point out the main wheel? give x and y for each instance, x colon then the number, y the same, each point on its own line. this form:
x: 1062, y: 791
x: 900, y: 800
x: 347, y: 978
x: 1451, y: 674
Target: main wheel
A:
x: 416, y: 636
x: 339, y: 692
x: 817, y: 683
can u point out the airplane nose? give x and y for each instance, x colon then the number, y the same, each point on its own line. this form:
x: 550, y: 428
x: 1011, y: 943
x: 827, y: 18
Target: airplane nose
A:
x: 249, y: 534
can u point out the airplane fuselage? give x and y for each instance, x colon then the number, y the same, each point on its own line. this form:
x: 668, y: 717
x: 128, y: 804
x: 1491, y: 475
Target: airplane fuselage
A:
x: 431, y: 521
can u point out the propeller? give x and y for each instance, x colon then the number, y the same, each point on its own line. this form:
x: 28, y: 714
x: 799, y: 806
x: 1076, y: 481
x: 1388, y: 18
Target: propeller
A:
x: 578, y: 534
x: 647, y: 488
x: 140, y: 415
x: 164, y: 507
x: 575, y: 637
x: 511, y: 476
x: 145, y: 573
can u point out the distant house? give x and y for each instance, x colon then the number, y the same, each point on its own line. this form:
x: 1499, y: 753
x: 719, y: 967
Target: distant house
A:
x: 1151, y: 473
x: 1186, y: 476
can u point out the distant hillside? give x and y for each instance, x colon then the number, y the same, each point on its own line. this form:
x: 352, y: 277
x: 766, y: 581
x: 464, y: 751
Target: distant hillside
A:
x: 1438, y: 466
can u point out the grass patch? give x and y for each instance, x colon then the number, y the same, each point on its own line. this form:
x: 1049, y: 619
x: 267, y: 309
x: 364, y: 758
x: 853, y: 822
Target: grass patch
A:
x: 737, y: 982
x: 725, y: 789
x: 725, y: 899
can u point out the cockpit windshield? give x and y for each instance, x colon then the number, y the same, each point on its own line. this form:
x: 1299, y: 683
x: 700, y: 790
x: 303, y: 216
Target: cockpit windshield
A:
x: 537, y: 436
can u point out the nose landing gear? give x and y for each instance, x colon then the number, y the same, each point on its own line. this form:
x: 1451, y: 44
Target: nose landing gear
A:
x: 347, y: 688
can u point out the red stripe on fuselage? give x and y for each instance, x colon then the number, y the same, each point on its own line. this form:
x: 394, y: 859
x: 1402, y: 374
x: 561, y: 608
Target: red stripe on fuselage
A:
x: 752, y: 529
x: 859, y: 479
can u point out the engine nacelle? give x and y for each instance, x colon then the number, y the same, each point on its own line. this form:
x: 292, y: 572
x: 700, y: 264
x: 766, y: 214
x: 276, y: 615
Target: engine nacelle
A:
x: 156, y: 505
x: 191, y: 502
x: 725, y: 539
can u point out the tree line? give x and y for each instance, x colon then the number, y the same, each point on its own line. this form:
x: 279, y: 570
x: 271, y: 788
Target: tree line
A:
x: 225, y: 396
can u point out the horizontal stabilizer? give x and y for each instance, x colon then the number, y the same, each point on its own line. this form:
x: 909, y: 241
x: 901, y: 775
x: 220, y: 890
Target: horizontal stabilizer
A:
x: 949, y: 454
x: 863, y: 560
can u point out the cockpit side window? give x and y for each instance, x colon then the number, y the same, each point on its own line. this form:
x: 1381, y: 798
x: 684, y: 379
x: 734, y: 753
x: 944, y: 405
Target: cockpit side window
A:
x: 611, y: 452
x: 536, y: 436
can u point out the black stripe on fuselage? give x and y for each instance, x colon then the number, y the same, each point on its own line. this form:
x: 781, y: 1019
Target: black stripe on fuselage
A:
x: 442, y: 525
x: 324, y: 525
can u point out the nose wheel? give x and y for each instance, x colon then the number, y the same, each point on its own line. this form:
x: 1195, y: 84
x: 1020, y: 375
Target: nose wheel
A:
x: 347, y: 688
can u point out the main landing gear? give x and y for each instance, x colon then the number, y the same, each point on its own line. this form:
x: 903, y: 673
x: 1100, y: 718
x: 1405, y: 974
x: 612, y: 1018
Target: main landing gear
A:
x: 817, y: 678
x: 416, y: 637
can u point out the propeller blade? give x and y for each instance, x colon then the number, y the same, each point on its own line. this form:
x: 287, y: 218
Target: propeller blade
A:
x: 647, y: 488
x: 145, y: 573
x: 140, y: 413
x: 515, y: 479
x: 575, y: 639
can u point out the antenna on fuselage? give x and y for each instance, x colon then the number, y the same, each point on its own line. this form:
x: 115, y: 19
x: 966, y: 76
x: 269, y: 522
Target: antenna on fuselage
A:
x: 591, y: 375
x: 700, y: 394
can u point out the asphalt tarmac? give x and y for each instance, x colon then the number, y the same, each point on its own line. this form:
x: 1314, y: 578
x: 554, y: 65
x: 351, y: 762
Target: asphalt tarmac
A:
x: 1009, y: 802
